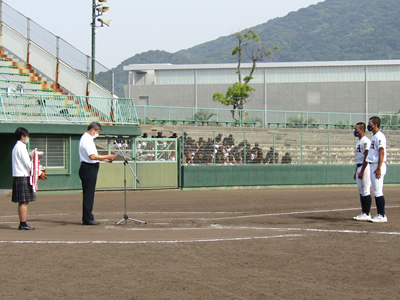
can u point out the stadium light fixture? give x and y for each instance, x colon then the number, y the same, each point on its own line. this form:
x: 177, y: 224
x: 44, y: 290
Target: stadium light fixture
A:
x: 99, y: 8
x: 102, y: 9
x: 104, y: 22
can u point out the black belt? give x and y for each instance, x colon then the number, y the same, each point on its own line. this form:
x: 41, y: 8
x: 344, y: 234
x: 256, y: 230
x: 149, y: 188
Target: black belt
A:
x: 359, y: 165
x: 91, y: 164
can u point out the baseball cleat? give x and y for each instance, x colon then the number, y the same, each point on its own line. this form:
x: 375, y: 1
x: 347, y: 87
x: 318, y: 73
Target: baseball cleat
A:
x: 363, y: 217
x: 379, y: 219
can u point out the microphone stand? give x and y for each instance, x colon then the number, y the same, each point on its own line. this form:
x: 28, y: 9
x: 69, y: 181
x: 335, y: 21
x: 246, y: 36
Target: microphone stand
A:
x: 126, y: 218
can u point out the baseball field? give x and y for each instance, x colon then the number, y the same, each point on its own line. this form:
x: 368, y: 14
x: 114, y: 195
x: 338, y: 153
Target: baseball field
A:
x: 275, y: 243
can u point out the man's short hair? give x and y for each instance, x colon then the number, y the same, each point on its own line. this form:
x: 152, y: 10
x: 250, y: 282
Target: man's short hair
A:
x: 21, y: 131
x: 376, y: 121
x: 95, y: 125
x: 361, y: 125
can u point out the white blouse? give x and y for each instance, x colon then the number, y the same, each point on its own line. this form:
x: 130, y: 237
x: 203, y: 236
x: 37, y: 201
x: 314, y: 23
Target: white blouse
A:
x: 21, y: 163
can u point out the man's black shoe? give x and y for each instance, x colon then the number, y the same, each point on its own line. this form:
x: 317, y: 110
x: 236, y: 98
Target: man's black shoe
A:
x: 91, y: 222
x: 25, y: 227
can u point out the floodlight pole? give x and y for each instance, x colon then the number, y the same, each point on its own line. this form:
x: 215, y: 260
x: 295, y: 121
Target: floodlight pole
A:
x: 1, y: 22
x: 94, y: 16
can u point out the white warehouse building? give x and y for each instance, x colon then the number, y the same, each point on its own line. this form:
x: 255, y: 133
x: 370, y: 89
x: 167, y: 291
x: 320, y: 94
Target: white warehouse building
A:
x: 367, y: 87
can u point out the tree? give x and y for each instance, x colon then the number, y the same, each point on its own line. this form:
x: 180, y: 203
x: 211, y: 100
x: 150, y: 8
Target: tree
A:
x: 238, y: 94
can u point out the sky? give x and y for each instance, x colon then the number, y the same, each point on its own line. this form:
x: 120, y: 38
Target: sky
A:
x: 140, y: 26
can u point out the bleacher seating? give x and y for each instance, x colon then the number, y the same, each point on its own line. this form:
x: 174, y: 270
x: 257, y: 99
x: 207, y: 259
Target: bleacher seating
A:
x: 16, y: 76
x: 26, y: 92
x: 39, y: 107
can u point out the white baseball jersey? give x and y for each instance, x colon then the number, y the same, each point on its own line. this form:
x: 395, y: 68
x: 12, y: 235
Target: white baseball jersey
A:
x: 362, y: 145
x: 378, y: 141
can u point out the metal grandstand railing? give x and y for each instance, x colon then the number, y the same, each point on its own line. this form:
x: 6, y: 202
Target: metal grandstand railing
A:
x: 55, y: 45
x: 168, y: 115
x: 64, y: 109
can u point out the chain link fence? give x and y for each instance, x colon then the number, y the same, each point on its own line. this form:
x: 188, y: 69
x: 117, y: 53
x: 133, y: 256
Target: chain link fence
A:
x: 169, y: 115
x: 210, y: 147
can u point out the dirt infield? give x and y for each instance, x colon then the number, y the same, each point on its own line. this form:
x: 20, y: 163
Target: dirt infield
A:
x: 298, y: 243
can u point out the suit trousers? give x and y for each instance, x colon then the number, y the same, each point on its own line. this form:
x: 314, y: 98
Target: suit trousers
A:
x: 88, y: 175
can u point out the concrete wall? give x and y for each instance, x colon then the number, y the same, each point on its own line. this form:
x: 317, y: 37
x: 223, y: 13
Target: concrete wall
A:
x: 347, y: 97
x: 267, y: 175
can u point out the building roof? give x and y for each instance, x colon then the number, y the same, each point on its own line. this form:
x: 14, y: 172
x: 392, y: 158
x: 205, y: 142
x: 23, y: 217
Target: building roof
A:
x: 154, y: 67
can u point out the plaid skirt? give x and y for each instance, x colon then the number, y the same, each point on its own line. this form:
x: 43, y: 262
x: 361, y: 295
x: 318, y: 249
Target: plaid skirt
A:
x: 22, y: 190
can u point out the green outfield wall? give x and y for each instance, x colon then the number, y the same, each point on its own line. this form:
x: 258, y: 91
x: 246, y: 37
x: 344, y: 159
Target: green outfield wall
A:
x: 67, y: 177
x: 170, y: 175
x: 268, y: 175
x: 160, y: 175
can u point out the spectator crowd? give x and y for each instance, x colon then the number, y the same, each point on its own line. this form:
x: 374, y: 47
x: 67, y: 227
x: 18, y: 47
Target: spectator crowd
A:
x: 224, y: 151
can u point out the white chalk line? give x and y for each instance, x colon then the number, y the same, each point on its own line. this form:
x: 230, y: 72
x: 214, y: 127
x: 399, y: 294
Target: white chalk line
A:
x: 142, y: 213
x: 224, y: 227
x: 215, y: 239
x: 307, y: 229
x: 294, y: 213
x: 242, y: 213
x: 219, y: 227
x: 155, y: 242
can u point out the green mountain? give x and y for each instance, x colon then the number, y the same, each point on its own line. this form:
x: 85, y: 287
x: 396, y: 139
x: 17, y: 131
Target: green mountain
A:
x: 328, y: 31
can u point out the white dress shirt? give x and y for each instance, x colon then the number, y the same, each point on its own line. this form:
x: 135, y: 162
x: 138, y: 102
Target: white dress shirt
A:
x: 87, y: 148
x: 21, y: 163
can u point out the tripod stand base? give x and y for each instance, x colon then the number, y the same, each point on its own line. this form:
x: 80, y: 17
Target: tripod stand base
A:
x: 126, y: 218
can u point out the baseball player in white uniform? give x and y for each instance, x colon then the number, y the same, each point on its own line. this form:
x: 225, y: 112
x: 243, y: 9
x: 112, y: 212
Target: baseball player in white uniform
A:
x: 362, y: 173
x: 376, y: 159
